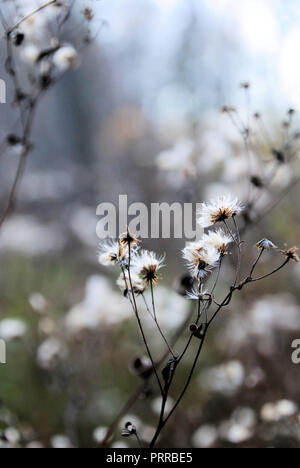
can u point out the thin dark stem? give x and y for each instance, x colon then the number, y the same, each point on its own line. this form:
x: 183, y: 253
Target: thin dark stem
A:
x: 199, y: 313
x: 138, y: 392
x: 225, y: 303
x: 157, y: 323
x: 163, y: 405
x: 163, y: 422
x: 147, y: 307
x: 256, y: 262
x: 237, y: 242
x: 141, y: 326
x: 25, y: 18
x: 21, y: 165
x: 217, y: 276
x: 138, y: 440
x: 272, y: 272
x: 239, y: 249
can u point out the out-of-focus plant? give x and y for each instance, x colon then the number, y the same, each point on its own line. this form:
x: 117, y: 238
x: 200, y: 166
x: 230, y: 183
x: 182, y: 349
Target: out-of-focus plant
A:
x: 37, y: 56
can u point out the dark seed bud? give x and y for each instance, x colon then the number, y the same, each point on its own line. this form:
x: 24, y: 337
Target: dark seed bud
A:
x: 13, y: 140
x: 257, y: 182
x: 19, y: 39
x: 279, y: 155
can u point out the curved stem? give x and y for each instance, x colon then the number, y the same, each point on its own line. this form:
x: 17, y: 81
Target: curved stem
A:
x: 157, y: 323
x: 163, y: 422
x: 256, y: 262
x: 272, y: 272
x: 141, y: 326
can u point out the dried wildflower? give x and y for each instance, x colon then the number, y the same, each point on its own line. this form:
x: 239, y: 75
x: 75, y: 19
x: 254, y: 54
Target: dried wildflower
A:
x: 142, y: 367
x: 291, y: 254
x: 112, y: 253
x: 201, y: 259
x: 197, y: 294
x: 218, y: 239
x: 128, y: 240
x: 196, y: 330
x: 128, y: 430
x: 124, y: 283
x: 147, y: 264
x: 218, y: 210
x: 266, y: 244
x: 88, y: 13
x: 227, y: 109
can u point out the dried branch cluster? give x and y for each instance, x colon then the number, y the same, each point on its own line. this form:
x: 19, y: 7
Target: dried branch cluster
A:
x: 139, y: 271
x: 37, y: 57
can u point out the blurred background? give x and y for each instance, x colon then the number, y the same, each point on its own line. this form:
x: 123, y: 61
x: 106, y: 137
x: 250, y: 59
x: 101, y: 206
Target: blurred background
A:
x: 141, y: 116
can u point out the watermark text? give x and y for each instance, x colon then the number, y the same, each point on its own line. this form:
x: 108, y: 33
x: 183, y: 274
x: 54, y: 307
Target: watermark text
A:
x: 159, y: 221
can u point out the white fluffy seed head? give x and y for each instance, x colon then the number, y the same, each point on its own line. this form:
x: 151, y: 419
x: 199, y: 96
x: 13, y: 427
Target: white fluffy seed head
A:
x: 124, y: 282
x: 201, y: 258
x: 218, y: 210
x: 146, y: 265
x: 218, y: 239
x: 195, y: 294
x: 112, y: 253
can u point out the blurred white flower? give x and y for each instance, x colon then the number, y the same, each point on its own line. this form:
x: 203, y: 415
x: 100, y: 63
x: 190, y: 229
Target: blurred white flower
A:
x: 12, y: 328
x: 66, y: 57
x: 272, y: 412
x: 38, y: 302
x: 47, y: 326
x: 28, y: 235
x: 261, y: 321
x: 226, y: 378
x: 30, y: 54
x: 156, y: 405
x: 35, y: 444
x: 61, y: 441
x: 102, y: 305
x: 119, y: 444
x: 235, y: 433
x: 181, y: 158
x: 49, y: 352
x: 245, y: 416
x: 146, y: 433
x: 205, y: 437
x: 99, y: 434
x: 240, y: 427
x: 172, y: 309
x: 12, y: 435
